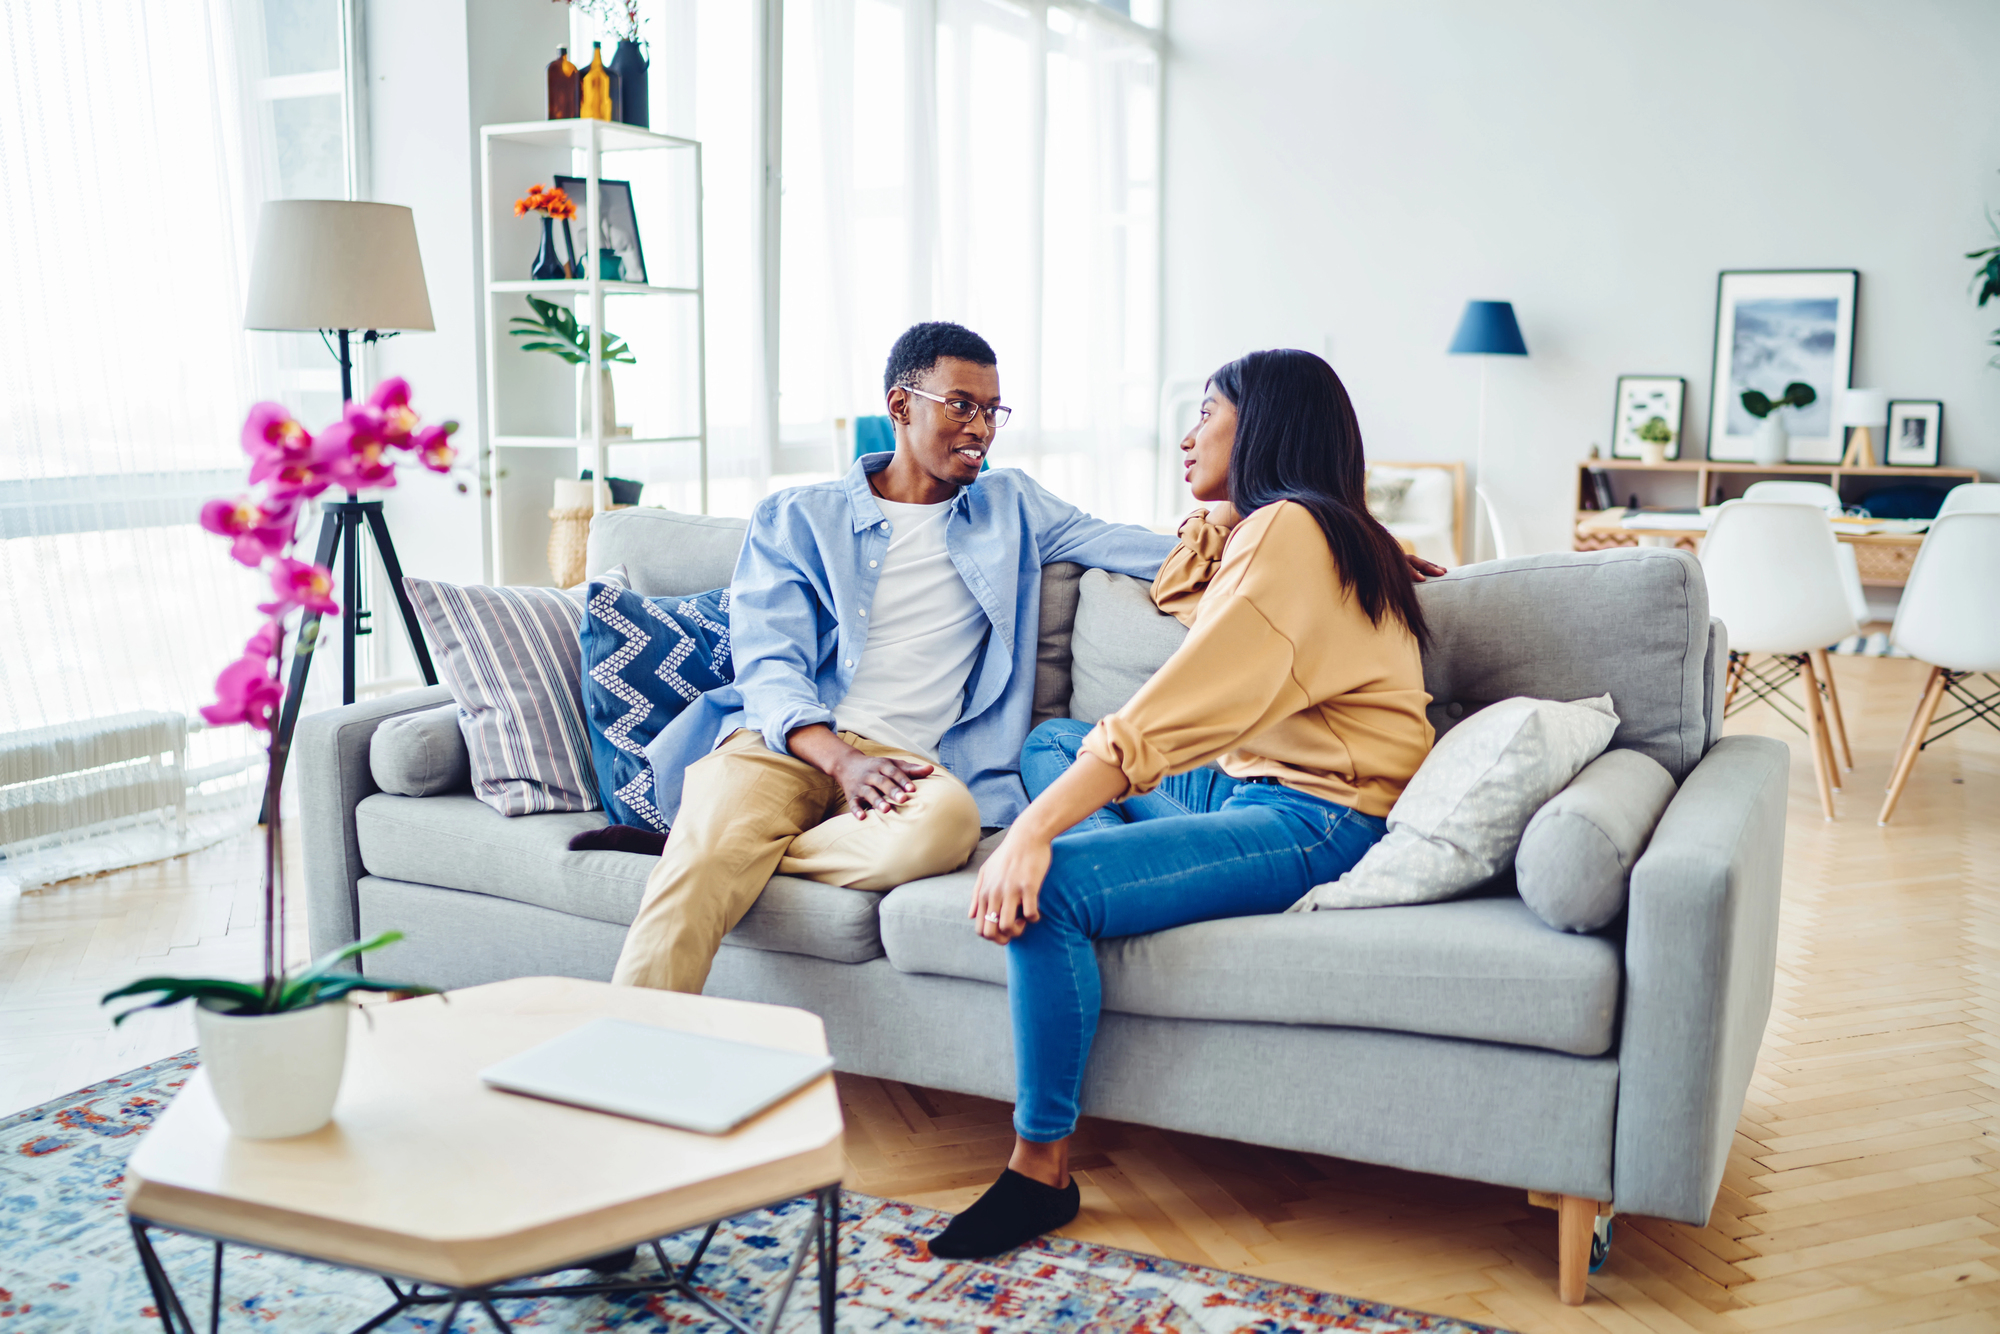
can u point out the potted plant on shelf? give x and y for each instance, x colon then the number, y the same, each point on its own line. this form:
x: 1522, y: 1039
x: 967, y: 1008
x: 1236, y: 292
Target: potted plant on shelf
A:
x: 554, y: 205
x: 1772, y: 441
x: 1654, y: 437
x: 1987, y: 278
x: 555, y: 329
x: 274, y: 1049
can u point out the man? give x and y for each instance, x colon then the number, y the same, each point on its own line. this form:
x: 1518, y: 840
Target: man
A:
x: 884, y: 629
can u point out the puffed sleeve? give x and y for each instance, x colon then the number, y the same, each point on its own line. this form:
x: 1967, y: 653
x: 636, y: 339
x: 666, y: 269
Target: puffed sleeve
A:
x: 1185, y: 574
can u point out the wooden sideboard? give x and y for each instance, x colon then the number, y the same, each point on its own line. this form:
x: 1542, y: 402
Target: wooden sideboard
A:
x: 1885, y: 559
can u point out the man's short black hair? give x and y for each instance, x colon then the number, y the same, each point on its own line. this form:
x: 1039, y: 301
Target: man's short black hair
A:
x: 922, y: 344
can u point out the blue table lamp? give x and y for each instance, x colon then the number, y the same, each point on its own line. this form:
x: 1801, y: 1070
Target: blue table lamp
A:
x: 1487, y: 329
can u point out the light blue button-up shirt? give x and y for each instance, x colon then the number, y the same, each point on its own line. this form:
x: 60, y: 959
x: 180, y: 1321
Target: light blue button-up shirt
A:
x: 808, y: 571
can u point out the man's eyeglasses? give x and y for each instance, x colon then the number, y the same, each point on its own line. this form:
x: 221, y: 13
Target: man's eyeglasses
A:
x: 963, y: 409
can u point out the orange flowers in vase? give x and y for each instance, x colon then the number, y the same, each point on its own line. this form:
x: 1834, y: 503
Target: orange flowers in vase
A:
x: 551, y: 204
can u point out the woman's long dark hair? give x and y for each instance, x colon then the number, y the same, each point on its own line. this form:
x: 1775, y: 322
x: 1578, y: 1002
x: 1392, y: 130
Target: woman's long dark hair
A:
x: 1297, y: 439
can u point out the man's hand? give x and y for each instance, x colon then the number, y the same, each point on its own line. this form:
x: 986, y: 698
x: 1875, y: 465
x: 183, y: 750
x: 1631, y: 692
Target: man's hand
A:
x: 1004, y: 900
x: 869, y: 782
x: 1421, y: 569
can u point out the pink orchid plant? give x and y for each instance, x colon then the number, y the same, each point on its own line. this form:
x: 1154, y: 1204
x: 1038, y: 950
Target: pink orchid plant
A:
x: 288, y: 467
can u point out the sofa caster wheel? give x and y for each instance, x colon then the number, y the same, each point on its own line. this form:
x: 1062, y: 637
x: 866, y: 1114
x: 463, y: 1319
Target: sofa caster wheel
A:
x: 1600, y: 1244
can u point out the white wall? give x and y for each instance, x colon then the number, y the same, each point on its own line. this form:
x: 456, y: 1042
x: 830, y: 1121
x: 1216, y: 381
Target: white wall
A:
x: 1348, y: 174
x: 437, y: 71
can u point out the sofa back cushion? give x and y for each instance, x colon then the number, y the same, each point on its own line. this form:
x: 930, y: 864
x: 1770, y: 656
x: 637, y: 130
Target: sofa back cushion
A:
x: 665, y: 553
x: 1630, y: 623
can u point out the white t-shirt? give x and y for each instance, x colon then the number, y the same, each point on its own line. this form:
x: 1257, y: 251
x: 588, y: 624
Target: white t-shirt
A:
x: 924, y: 632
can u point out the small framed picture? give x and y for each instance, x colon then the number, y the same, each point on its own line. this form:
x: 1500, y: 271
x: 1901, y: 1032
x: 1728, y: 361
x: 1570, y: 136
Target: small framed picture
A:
x: 1648, y: 410
x: 617, y: 224
x: 1915, y: 425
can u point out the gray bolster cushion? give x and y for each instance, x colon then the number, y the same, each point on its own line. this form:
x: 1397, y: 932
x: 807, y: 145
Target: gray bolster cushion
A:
x: 1575, y: 859
x: 420, y: 754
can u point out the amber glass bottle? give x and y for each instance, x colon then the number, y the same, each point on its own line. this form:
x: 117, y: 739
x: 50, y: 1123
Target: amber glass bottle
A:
x: 563, y: 90
x: 597, y: 86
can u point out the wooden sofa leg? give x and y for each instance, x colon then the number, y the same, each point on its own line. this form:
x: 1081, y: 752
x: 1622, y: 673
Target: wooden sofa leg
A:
x: 1576, y: 1219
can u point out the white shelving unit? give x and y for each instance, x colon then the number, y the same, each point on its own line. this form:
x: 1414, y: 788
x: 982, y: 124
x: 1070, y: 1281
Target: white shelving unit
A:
x: 519, y: 395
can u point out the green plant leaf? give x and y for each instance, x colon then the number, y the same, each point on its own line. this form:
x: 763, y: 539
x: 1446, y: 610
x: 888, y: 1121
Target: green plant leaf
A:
x: 332, y: 959
x: 1798, y: 394
x: 244, y: 997
x: 329, y: 989
x: 1756, y: 404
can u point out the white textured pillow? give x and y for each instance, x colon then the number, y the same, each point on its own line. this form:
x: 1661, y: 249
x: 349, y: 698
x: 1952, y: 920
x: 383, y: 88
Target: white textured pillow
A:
x: 1459, y: 821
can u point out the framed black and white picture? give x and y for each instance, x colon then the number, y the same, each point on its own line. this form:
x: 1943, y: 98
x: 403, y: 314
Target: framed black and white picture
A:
x: 617, y: 224
x: 1774, y: 328
x: 1648, y: 409
x: 1915, y: 425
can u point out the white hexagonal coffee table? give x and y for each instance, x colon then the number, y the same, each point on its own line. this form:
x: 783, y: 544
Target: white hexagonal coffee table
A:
x: 431, y: 1179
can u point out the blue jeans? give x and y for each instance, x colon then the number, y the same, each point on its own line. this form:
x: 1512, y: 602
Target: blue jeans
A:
x: 1201, y: 846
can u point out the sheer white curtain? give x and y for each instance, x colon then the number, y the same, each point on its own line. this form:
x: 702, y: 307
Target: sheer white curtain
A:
x: 986, y: 162
x: 124, y: 375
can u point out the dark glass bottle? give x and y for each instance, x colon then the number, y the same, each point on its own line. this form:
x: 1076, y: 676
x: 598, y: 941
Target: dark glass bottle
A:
x: 563, y: 91
x: 628, y: 63
x: 547, y: 266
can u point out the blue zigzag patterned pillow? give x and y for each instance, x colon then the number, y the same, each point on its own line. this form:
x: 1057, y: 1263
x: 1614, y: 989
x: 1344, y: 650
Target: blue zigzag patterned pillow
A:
x: 644, y: 661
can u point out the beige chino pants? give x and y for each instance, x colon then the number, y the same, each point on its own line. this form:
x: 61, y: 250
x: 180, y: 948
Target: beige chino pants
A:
x: 748, y: 812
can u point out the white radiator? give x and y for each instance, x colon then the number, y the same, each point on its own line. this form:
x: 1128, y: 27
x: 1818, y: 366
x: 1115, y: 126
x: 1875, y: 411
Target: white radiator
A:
x: 76, y: 775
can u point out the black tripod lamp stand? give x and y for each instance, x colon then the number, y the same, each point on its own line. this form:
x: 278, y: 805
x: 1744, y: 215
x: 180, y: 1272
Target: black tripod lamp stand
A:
x: 338, y: 267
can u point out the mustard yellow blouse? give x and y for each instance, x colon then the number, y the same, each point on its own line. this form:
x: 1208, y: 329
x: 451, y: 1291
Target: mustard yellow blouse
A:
x: 1283, y: 675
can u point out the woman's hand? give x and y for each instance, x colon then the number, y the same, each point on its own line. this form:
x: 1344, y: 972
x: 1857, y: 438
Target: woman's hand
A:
x: 1010, y: 883
x: 1421, y: 569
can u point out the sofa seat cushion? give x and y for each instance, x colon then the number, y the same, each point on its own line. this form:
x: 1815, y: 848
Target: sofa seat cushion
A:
x: 1481, y: 968
x: 459, y: 842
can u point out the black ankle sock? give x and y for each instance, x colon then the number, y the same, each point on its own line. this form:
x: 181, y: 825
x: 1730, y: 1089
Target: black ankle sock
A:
x: 1015, y: 1209
x: 619, y: 838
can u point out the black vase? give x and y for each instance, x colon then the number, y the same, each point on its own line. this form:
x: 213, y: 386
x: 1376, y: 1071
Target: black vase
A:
x: 546, y: 264
x: 631, y: 103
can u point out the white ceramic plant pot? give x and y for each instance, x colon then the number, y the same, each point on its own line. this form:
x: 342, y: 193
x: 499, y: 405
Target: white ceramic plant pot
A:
x: 583, y: 403
x: 1652, y: 452
x: 275, y: 1075
x: 1771, y: 443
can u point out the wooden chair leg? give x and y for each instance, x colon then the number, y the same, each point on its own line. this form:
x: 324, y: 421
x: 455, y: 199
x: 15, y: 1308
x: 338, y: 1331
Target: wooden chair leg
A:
x: 1913, y: 745
x: 1822, y: 749
x: 1576, y: 1219
x: 1825, y: 665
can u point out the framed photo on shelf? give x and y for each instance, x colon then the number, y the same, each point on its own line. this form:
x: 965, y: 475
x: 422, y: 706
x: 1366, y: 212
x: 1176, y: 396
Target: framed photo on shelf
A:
x: 1644, y: 400
x: 1915, y: 428
x: 617, y: 224
x: 1773, y: 328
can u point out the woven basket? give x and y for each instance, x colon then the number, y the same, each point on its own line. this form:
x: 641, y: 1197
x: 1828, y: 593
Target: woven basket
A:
x: 1885, y: 562
x: 569, y: 536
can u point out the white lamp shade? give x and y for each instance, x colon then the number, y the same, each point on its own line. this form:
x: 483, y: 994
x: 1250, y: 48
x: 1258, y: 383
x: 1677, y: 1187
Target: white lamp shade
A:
x: 1864, y: 407
x: 337, y: 264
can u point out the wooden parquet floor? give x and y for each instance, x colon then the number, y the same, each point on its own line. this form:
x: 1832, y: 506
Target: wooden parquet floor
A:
x: 1862, y: 1193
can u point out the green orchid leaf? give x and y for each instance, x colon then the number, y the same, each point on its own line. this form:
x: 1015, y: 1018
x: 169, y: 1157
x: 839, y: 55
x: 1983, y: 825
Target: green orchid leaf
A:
x: 1756, y: 404
x: 240, y: 997
x: 1799, y: 394
x: 335, y: 988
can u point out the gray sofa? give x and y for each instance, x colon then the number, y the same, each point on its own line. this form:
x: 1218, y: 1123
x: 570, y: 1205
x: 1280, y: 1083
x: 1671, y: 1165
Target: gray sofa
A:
x: 1463, y: 1038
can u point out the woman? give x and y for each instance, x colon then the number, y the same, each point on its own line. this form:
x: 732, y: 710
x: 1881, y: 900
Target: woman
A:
x: 1301, y: 673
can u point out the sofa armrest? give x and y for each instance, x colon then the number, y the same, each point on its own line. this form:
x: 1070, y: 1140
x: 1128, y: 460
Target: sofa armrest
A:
x: 1700, y: 958
x: 330, y: 763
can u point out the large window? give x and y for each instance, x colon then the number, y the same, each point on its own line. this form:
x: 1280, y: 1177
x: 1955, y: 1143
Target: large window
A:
x: 127, y: 374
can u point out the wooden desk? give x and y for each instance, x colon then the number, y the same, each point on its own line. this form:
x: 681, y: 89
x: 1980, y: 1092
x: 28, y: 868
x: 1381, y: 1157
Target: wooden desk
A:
x: 1884, y: 559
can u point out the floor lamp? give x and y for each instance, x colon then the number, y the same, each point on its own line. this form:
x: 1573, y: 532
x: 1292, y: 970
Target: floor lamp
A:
x: 1487, y: 329
x: 338, y: 267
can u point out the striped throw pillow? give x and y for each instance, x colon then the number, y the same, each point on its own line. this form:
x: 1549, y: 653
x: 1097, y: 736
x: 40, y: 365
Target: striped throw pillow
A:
x: 512, y: 660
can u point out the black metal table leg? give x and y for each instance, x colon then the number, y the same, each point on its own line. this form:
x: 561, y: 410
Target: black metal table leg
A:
x: 215, y: 1294
x: 829, y: 1256
x: 173, y: 1317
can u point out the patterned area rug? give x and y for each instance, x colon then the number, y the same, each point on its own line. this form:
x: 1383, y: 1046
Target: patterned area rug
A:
x: 67, y: 1263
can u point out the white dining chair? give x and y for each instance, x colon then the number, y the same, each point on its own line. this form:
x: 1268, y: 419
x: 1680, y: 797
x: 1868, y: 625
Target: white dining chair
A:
x: 1774, y: 580
x: 1950, y: 618
x: 1971, y: 498
x: 1506, y: 541
x: 1823, y: 497
x: 1797, y: 493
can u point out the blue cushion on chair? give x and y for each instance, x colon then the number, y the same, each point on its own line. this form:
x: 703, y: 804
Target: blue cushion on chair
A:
x: 644, y: 661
